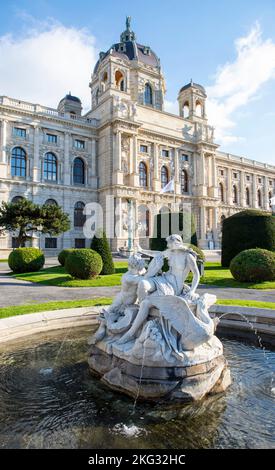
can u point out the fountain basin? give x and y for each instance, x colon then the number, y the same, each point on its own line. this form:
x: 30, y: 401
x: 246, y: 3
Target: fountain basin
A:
x: 48, y: 399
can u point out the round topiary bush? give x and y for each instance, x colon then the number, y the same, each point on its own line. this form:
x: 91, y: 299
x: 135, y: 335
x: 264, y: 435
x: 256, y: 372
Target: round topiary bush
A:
x: 26, y: 260
x: 245, y: 230
x: 63, y: 255
x: 83, y: 263
x: 254, y: 265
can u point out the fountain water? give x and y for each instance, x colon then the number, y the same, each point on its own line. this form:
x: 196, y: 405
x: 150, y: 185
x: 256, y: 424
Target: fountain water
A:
x: 219, y: 317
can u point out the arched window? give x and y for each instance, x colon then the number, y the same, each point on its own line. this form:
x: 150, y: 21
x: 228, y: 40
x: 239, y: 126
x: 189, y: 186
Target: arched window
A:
x: 221, y: 192
x: 50, y: 167
x: 79, y: 171
x: 148, y: 95
x: 16, y: 199
x: 198, y: 108
x: 259, y: 197
x: 51, y: 202
x: 164, y: 176
x: 119, y: 79
x: 247, y: 196
x: 142, y: 175
x: 79, y: 216
x: 18, y: 162
x: 183, y: 182
x: 235, y: 195
x: 186, y: 109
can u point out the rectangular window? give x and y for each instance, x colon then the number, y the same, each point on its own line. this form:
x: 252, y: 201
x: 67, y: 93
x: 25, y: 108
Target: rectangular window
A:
x: 247, y: 178
x: 79, y: 144
x: 165, y: 153
x: 184, y: 157
x: 235, y: 175
x: 79, y: 243
x: 221, y: 172
x: 19, y: 132
x: 143, y: 148
x: 51, y: 138
x: 50, y: 242
x: 270, y: 182
x: 259, y: 180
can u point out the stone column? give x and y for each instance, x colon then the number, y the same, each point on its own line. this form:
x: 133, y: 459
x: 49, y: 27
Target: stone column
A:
x: 215, y: 225
x: 265, y: 197
x: 135, y: 152
x: 254, y: 191
x: 3, y: 141
x: 67, y: 166
x: 156, y: 161
x: 242, y: 189
x: 36, y: 169
x: 117, y: 153
x: 203, y: 226
x: 93, y: 154
x: 229, y: 186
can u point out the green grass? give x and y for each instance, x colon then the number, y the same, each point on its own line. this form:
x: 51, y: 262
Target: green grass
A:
x: 11, y: 311
x: 33, y: 308
x: 56, y: 276
x: 246, y: 303
x: 214, y: 275
x: 3, y: 260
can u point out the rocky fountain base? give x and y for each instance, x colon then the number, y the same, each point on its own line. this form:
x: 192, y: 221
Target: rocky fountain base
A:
x: 196, y: 376
x: 156, y: 341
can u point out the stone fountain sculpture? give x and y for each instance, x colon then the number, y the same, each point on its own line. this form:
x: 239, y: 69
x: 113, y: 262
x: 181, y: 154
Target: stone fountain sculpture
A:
x: 156, y: 341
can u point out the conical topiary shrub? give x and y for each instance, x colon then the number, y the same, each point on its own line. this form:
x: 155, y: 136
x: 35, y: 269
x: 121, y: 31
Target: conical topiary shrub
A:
x: 101, y: 246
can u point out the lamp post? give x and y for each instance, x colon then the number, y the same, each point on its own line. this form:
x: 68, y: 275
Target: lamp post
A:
x: 39, y: 229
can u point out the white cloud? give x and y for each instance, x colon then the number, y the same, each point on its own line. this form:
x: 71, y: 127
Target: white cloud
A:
x: 46, y: 62
x: 239, y: 82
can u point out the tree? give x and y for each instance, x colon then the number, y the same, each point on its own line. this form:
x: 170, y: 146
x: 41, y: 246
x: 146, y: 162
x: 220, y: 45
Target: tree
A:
x: 100, y: 245
x: 25, y: 218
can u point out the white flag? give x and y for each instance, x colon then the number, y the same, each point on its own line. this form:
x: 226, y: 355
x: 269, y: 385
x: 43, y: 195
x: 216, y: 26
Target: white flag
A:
x: 169, y: 187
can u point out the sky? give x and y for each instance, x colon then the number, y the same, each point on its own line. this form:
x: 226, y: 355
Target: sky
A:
x: 49, y: 47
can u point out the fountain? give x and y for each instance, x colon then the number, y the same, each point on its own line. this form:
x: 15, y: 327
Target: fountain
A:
x: 156, y: 341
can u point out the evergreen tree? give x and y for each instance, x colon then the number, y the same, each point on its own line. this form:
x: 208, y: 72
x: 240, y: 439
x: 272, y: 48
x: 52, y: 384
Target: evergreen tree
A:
x: 25, y: 218
x: 100, y: 245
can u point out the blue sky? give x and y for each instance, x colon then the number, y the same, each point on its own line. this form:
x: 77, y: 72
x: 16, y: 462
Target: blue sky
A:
x: 49, y: 47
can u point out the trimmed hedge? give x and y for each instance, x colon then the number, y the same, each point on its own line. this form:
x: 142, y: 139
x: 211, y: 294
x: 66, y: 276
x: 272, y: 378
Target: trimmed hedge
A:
x: 63, y: 255
x: 83, y: 263
x: 26, y: 260
x: 101, y: 246
x: 245, y: 230
x: 254, y: 265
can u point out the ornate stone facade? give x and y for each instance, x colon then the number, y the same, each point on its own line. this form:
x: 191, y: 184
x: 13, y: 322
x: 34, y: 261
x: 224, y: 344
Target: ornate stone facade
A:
x: 127, y: 147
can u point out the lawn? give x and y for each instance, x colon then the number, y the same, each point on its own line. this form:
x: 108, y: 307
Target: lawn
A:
x: 214, y: 275
x: 47, y: 306
x: 11, y: 311
x: 56, y: 276
x: 3, y: 260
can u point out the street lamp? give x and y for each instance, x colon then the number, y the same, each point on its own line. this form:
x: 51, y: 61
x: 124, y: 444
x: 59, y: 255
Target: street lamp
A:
x: 39, y: 229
